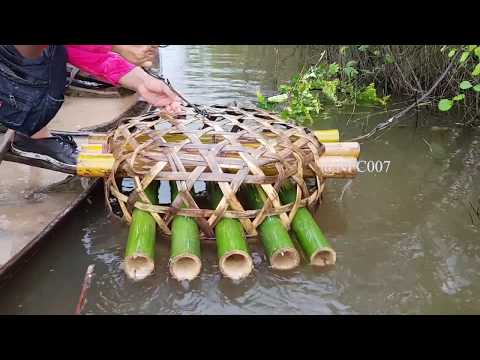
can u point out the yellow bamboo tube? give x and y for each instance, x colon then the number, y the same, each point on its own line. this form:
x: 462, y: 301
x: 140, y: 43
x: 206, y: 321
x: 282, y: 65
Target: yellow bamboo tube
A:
x: 100, y: 165
x: 338, y: 166
x: 342, y: 149
x: 327, y: 135
x: 330, y: 166
x: 338, y: 161
x: 324, y: 136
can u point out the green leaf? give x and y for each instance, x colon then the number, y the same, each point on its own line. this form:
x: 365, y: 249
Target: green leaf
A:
x: 343, y: 50
x: 445, y: 104
x: 389, y: 59
x: 459, y: 97
x: 351, y: 71
x: 477, y: 88
x: 333, y: 69
x: 369, y: 96
x: 452, y: 53
x: 329, y: 89
x: 263, y: 103
x: 285, y: 114
x: 477, y: 52
x: 363, y: 48
x: 284, y: 89
x: 464, y: 57
x: 351, y: 63
x: 260, y: 97
x: 470, y: 48
x: 464, y: 85
x: 476, y: 71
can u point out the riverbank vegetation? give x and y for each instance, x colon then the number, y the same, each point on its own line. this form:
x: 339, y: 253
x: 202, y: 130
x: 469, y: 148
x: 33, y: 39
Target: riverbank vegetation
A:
x: 319, y: 85
x: 438, y: 78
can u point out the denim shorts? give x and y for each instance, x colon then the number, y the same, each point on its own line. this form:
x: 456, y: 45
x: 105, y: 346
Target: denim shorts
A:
x: 31, y: 91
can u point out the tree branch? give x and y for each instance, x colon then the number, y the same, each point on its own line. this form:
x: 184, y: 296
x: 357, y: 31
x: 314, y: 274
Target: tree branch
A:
x: 395, y: 118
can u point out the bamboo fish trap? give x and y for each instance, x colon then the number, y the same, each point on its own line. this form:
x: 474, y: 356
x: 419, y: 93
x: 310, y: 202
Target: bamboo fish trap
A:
x: 234, y: 150
x: 239, y: 147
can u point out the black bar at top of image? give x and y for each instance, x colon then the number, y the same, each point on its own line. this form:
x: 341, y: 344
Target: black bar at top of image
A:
x: 231, y: 24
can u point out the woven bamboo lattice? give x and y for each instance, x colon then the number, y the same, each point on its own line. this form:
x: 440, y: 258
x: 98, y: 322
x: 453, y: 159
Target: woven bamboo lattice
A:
x: 234, y: 146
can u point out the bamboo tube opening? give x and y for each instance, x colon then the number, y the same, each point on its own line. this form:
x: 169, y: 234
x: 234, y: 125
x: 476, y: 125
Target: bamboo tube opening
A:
x: 285, y: 259
x: 236, y: 265
x: 185, y: 267
x: 323, y: 257
x: 138, y: 266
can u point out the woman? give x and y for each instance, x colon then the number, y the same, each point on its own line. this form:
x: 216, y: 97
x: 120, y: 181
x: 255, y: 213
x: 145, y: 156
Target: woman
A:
x: 32, y: 85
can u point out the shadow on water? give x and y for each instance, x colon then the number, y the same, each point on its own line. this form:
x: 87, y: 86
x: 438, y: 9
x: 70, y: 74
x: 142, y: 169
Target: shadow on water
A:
x: 404, y: 237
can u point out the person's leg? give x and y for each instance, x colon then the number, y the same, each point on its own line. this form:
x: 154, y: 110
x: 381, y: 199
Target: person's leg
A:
x: 24, y: 84
x: 43, y: 133
x: 38, y: 143
x: 35, y: 141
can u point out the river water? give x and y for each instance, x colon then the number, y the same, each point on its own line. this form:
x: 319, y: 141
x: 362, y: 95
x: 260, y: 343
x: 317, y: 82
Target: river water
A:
x: 407, y: 237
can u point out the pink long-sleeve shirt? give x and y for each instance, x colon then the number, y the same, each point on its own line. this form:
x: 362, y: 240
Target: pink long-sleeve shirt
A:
x: 99, y: 61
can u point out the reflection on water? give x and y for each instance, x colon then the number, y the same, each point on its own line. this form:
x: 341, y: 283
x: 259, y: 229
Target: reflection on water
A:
x: 222, y: 74
x: 404, y: 238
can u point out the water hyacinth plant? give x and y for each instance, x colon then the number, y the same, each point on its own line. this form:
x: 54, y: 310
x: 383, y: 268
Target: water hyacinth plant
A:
x: 307, y: 93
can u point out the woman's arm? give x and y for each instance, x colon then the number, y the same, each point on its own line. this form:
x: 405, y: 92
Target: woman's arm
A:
x: 136, y: 54
x: 114, y: 69
x: 107, y: 66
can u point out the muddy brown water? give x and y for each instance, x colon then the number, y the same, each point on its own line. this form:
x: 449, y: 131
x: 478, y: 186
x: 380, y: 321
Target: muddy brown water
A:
x: 407, y: 239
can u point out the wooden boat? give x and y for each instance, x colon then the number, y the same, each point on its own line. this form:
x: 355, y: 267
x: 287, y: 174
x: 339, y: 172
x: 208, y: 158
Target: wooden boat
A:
x: 34, y: 200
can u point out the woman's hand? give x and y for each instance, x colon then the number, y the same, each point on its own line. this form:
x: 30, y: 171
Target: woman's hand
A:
x: 157, y: 93
x: 153, y: 90
x: 140, y: 55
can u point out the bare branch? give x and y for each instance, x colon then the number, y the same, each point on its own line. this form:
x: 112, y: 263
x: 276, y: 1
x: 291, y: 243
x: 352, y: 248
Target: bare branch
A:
x: 395, y: 118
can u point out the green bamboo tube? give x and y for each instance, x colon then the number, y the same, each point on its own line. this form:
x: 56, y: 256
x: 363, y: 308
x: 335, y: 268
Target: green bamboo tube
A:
x: 275, y: 238
x: 310, y: 236
x: 185, y: 263
x: 140, y: 249
x: 234, y: 258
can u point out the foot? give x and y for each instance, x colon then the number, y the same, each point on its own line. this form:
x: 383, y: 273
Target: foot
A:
x: 59, y: 149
